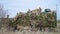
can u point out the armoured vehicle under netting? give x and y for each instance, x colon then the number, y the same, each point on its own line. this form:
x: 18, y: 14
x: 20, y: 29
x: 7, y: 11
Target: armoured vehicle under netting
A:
x: 42, y: 20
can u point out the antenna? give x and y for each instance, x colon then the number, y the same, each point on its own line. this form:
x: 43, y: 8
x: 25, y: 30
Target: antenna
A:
x: 56, y: 14
x: 56, y: 7
x: 56, y: 11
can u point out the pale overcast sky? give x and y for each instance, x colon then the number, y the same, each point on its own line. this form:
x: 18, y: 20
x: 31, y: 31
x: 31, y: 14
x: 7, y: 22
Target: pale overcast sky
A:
x: 15, y: 6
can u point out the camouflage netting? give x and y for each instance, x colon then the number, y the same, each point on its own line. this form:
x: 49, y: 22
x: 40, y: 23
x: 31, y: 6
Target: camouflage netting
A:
x: 44, y: 19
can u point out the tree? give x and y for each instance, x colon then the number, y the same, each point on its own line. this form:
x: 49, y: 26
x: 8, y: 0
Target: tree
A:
x: 3, y: 14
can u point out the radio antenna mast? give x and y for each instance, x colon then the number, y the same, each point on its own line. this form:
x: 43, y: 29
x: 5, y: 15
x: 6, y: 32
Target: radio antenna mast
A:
x: 56, y: 13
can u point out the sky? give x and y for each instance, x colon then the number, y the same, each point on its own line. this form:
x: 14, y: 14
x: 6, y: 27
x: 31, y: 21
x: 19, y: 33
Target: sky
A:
x: 15, y: 6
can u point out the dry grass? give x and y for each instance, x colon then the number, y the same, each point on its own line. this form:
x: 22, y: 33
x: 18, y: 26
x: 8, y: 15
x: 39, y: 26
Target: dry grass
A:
x: 4, y: 31
x: 27, y: 32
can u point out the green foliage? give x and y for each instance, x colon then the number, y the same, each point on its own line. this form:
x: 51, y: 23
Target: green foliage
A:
x: 27, y: 17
